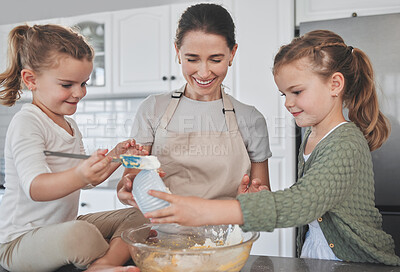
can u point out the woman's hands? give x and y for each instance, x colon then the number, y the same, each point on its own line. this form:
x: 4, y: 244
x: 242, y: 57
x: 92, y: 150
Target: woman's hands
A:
x: 124, y: 188
x: 251, y: 187
x: 124, y: 193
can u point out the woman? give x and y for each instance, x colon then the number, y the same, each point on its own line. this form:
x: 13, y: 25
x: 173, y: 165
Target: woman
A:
x: 205, y: 139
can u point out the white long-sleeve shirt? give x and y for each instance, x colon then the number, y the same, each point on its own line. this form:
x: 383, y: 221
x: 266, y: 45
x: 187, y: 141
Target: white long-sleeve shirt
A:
x: 31, y: 132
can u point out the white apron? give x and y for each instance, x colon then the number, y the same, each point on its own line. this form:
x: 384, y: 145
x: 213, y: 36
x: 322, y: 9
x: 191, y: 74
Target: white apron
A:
x: 207, y: 164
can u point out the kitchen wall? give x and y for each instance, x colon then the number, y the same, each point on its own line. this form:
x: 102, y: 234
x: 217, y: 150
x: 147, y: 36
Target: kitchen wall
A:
x: 27, y: 10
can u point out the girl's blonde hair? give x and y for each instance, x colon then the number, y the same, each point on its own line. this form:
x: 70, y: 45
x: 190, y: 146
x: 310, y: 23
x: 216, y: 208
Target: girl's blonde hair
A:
x: 327, y: 53
x: 38, y: 48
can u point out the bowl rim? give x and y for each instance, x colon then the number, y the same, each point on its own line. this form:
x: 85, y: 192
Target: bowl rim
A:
x: 124, y: 235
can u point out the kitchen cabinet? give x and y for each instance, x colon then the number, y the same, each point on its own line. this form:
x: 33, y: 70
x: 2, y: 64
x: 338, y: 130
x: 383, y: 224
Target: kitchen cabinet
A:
x: 97, y: 30
x: 316, y: 10
x: 141, y: 55
x: 98, y: 200
x: 144, y: 57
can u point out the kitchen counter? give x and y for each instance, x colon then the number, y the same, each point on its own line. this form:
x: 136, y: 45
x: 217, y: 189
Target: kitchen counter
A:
x: 282, y: 264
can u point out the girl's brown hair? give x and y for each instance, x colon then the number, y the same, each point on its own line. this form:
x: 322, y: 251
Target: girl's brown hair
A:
x: 38, y: 48
x: 327, y: 53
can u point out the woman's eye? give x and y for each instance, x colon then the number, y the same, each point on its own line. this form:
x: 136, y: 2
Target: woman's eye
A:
x: 191, y: 60
x: 297, y: 92
x: 66, y: 85
x: 282, y: 94
x: 84, y: 84
x: 216, y: 61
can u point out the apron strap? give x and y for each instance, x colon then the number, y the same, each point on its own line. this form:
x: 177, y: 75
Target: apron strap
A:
x: 173, y: 104
x: 229, y: 112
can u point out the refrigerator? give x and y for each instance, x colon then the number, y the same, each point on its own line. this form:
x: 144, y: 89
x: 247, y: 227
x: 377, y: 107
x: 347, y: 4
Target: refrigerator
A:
x: 379, y: 37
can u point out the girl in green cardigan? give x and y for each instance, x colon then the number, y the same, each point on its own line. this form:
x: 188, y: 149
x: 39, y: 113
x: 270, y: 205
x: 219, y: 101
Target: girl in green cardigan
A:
x: 332, y: 201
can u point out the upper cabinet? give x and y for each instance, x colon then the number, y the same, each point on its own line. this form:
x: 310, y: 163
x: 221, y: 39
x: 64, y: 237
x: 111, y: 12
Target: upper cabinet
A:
x: 316, y: 10
x: 134, y: 49
x: 97, y: 30
x: 142, y: 50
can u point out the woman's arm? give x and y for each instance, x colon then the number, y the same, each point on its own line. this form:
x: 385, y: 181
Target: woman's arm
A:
x: 259, y: 179
x: 260, y: 170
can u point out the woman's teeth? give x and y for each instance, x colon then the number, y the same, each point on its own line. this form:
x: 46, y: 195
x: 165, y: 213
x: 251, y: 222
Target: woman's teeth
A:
x: 203, y: 82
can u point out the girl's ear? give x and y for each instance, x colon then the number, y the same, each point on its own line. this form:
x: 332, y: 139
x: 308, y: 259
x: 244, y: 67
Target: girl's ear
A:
x: 29, y: 79
x: 337, y: 84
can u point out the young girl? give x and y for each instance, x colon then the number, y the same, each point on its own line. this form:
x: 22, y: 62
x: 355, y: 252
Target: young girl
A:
x: 332, y: 201
x: 205, y: 139
x: 39, y: 230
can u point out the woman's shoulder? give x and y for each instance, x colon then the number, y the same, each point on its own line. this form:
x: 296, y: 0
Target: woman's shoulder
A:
x: 155, y: 103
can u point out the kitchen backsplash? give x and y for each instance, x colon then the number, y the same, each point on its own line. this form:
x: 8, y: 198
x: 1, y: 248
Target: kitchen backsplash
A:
x: 103, y: 123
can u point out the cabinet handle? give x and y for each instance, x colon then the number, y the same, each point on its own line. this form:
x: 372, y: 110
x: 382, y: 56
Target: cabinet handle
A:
x: 164, y: 78
x: 173, y: 77
x: 83, y: 204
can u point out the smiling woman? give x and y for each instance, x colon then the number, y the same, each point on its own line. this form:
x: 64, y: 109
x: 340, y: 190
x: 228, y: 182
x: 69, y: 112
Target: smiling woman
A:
x: 183, y: 127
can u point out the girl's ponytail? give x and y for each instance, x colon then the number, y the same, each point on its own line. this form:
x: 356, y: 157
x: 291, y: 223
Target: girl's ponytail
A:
x: 10, y: 80
x: 327, y: 54
x: 361, y: 99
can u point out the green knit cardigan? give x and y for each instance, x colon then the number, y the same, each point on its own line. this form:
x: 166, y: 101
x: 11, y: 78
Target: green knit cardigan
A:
x: 335, y: 186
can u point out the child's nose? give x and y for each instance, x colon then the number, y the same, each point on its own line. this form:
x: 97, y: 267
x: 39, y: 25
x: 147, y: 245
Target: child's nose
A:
x: 79, y: 92
x: 289, y: 102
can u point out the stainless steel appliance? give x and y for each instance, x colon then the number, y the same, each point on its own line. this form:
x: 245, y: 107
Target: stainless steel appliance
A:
x: 379, y: 37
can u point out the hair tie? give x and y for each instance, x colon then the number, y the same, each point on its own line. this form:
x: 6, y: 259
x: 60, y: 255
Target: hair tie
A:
x: 350, y: 48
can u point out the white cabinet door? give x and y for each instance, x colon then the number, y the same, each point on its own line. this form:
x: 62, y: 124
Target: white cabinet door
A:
x: 97, y: 29
x: 315, y: 10
x: 97, y: 200
x: 142, y: 50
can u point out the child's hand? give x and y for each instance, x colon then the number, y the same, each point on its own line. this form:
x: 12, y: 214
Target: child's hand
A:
x: 195, y: 211
x: 95, y: 169
x: 251, y: 187
x: 128, y: 147
x: 186, y: 211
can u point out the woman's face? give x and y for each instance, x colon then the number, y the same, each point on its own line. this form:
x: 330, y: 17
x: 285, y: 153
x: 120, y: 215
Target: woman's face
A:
x: 205, y: 60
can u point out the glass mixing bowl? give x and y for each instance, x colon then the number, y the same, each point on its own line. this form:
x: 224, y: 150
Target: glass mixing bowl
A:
x: 171, y: 247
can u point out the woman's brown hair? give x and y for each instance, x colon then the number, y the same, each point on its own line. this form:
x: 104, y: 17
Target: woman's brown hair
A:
x: 327, y: 53
x: 38, y: 48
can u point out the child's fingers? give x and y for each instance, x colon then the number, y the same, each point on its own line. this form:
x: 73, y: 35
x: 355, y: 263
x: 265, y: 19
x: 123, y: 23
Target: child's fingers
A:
x: 161, y: 195
x: 96, y: 156
x: 161, y: 213
x: 101, y: 166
